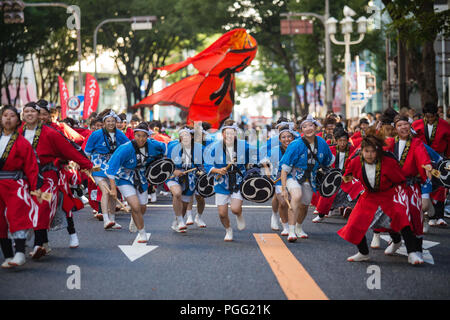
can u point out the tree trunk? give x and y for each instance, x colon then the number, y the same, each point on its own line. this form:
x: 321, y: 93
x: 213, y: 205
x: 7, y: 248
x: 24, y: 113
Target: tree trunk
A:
x: 402, y: 80
x: 305, y: 109
x: 296, y: 96
x: 427, y: 83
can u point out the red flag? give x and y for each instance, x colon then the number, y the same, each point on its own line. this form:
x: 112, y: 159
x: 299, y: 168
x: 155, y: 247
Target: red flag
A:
x: 63, y: 97
x: 91, y: 96
x: 209, y: 95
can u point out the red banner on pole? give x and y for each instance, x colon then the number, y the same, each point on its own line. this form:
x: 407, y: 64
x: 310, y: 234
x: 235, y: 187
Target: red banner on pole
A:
x: 63, y: 97
x: 91, y: 96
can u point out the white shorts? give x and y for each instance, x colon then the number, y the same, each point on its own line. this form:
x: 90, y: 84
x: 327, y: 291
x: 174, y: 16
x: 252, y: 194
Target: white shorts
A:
x: 184, y: 198
x: 277, y: 189
x: 99, y: 179
x: 224, y: 199
x: 305, y: 187
x: 128, y: 190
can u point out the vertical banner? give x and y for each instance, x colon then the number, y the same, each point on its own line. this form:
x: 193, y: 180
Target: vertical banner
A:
x: 63, y: 97
x: 91, y: 96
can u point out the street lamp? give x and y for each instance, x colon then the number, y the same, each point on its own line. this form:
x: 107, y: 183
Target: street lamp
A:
x: 346, y: 30
x: 135, y: 26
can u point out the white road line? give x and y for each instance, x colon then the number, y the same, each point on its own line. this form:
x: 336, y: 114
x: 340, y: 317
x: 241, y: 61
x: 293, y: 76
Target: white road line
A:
x: 207, y: 206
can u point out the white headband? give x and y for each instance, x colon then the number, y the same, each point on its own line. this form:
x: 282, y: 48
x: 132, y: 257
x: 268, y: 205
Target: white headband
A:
x: 287, y: 130
x: 234, y: 127
x: 310, y: 118
x: 282, y: 124
x: 149, y: 132
x: 185, y: 130
x: 112, y: 114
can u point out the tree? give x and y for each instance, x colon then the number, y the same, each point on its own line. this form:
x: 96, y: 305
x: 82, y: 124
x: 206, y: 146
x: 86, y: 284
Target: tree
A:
x: 416, y: 24
x: 53, y: 59
x: 262, y: 19
x: 138, y: 53
x: 43, y: 34
x: 300, y: 53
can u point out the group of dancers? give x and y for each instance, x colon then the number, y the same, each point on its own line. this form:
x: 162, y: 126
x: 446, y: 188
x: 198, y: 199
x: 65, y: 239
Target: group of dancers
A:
x: 386, y: 169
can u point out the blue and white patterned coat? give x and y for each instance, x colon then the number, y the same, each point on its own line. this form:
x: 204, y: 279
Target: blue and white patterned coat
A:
x: 295, y: 159
x: 123, y: 162
x: 174, y: 152
x: 214, y: 157
x: 97, y: 147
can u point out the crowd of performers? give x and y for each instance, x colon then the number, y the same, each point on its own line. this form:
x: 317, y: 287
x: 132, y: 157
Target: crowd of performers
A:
x: 383, y: 177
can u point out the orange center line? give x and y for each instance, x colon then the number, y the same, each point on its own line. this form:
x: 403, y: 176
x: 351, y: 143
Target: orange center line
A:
x: 294, y: 280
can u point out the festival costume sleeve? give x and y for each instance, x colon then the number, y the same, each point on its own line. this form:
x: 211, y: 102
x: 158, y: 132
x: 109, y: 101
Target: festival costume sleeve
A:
x: 422, y: 158
x: 120, y: 156
x: 291, y: 156
x: 91, y: 143
x: 65, y: 150
x: 71, y: 134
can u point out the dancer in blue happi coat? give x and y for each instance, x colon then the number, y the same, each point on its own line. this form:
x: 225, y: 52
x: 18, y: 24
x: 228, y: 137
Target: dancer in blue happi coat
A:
x: 266, y: 151
x: 286, y: 135
x: 187, y: 156
x: 426, y: 189
x: 206, y: 139
x: 227, y: 159
x: 299, y: 166
x: 126, y: 170
x: 100, y: 146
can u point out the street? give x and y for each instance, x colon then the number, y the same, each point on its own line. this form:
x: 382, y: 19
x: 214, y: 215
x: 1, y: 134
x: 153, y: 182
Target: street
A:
x: 199, y: 265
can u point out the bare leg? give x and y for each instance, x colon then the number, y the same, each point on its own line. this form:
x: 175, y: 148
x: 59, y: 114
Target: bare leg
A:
x: 236, y: 207
x: 136, y: 211
x: 223, y: 215
x: 282, y: 208
x: 176, y: 200
x: 296, y: 195
x: 200, y: 204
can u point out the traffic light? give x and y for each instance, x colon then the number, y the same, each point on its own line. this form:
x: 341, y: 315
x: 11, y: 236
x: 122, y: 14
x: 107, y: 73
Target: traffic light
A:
x: 371, y: 84
x: 13, y: 11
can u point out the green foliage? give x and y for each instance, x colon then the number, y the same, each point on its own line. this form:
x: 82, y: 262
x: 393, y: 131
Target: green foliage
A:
x: 416, y: 20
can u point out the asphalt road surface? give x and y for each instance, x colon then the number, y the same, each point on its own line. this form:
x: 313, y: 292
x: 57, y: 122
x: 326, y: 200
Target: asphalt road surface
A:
x: 198, y: 265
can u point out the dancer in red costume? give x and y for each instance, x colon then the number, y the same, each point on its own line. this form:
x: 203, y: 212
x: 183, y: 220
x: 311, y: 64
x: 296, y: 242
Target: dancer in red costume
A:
x: 346, y: 197
x: 18, y: 177
x: 435, y: 132
x: 49, y: 144
x: 382, y: 200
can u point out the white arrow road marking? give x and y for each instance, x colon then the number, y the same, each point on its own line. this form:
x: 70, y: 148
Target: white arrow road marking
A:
x: 427, y: 257
x: 137, y: 250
